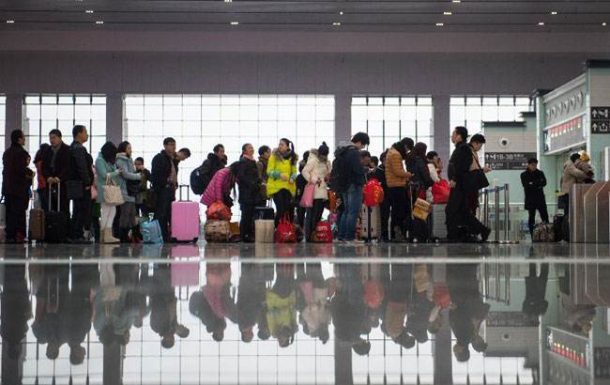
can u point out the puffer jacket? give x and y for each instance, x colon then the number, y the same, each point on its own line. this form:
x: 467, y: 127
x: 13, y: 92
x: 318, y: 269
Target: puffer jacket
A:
x: 220, y: 187
x: 279, y: 166
x: 571, y: 175
x: 103, y: 171
x: 316, y: 171
x: 125, y: 163
x: 395, y: 173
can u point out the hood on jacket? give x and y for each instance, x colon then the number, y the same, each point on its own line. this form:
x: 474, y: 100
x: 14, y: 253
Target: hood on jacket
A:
x: 276, y: 152
x: 341, y: 150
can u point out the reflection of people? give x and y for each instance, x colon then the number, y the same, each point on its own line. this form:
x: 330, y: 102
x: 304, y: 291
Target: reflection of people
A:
x: 281, y: 306
x: 535, y: 304
x: 214, y: 303
x: 468, y: 309
x: 15, y: 312
x: 349, y: 310
x: 399, y: 291
x: 163, y: 301
x: 251, y: 301
x: 314, y: 304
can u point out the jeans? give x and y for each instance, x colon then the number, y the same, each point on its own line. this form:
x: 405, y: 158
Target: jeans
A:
x: 352, y: 200
x: 246, y: 225
x: 163, y: 211
x: 81, y: 215
x: 16, y: 207
x: 544, y: 215
x: 283, y: 205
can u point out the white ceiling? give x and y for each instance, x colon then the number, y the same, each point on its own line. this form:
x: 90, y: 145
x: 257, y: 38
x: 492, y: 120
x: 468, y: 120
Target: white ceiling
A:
x: 297, y: 15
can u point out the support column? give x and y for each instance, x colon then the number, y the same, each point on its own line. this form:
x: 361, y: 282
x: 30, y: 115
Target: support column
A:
x: 441, y: 129
x: 343, y: 118
x: 14, y: 116
x: 114, y: 117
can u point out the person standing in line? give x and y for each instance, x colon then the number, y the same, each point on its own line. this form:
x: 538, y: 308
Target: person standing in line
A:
x: 397, y: 179
x: 129, y: 182
x: 476, y: 143
x: 461, y: 223
x: 347, y: 179
x: 571, y: 175
x: 164, y: 178
x: 301, y: 182
x: 17, y: 180
x: 105, y: 167
x: 317, y: 172
x: 249, y: 192
x: 143, y: 196
x: 282, y: 171
x: 79, y: 186
x: 384, y: 207
x: 264, y: 153
x: 42, y: 188
x: 56, y: 168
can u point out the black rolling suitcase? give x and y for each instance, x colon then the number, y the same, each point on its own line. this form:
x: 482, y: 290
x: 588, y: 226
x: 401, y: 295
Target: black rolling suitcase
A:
x: 56, y: 222
x: 264, y: 212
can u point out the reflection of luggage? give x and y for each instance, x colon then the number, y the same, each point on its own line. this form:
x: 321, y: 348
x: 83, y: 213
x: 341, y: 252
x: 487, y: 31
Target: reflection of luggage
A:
x: 263, y: 230
x: 37, y: 225
x: 370, y: 222
x: 543, y: 232
x: 217, y: 231
x: 185, y: 219
x: 185, y: 274
x: 56, y: 222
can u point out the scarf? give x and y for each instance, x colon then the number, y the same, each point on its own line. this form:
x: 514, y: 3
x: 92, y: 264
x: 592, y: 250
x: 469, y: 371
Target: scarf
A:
x: 249, y: 157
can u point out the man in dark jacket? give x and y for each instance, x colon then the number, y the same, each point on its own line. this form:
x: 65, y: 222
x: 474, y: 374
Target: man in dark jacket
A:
x: 249, y: 191
x: 79, y: 186
x: 164, y: 178
x: 56, y: 169
x: 215, y: 162
x: 17, y: 180
x: 459, y: 218
x: 533, y: 181
x: 348, y: 178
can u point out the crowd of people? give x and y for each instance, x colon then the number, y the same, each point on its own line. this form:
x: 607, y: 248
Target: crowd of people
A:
x: 407, y: 172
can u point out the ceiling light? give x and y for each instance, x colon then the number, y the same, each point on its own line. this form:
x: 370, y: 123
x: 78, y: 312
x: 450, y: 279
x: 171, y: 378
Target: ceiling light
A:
x: 89, y: 11
x: 228, y: 1
x: 336, y: 24
x: 457, y: 1
x: 440, y: 24
x: 10, y: 21
x: 604, y: 24
x: 235, y: 23
x: 99, y: 22
x: 541, y: 23
x: 553, y: 12
x: 341, y: 13
x: 447, y: 13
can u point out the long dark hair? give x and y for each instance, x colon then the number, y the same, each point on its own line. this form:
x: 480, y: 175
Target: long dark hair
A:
x: 123, y: 146
x: 293, y: 154
x: 109, y: 152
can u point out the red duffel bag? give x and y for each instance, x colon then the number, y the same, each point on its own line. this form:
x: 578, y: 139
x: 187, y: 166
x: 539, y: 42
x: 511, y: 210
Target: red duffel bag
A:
x: 441, y: 191
x: 286, y: 231
x: 373, y: 193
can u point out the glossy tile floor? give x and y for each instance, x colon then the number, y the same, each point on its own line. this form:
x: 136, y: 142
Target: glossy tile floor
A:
x: 305, y: 314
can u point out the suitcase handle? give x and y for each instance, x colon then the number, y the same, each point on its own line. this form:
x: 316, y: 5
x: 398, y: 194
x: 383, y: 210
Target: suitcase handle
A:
x: 58, y: 197
x: 188, y: 193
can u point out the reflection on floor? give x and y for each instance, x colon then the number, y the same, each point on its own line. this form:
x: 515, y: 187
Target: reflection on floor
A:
x: 306, y: 314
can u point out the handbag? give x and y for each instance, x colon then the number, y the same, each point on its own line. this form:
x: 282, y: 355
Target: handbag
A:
x: 308, y: 196
x: 476, y: 180
x: 373, y: 193
x: 112, y: 193
x: 218, y: 211
x: 286, y: 231
x: 421, y: 209
x: 441, y: 191
x: 74, y: 189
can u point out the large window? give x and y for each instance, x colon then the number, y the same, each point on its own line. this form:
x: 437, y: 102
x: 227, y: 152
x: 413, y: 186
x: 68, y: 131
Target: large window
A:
x: 45, y: 112
x: 472, y: 111
x: 201, y: 121
x: 388, y: 119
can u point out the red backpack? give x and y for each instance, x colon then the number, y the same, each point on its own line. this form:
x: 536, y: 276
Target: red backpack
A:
x: 373, y: 193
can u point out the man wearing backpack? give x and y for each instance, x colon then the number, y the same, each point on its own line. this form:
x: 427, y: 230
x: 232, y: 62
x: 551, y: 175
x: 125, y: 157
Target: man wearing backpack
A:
x: 347, y: 179
x: 201, y: 176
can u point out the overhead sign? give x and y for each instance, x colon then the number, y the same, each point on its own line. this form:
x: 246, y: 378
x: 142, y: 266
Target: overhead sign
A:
x: 565, y: 135
x: 600, y: 120
x: 508, y: 160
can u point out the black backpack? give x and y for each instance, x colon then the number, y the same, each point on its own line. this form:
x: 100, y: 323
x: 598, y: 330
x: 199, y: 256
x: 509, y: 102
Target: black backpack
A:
x: 197, y: 183
x: 339, y: 178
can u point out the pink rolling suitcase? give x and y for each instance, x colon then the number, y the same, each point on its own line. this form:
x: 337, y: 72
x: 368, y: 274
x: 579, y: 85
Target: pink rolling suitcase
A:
x: 185, y: 219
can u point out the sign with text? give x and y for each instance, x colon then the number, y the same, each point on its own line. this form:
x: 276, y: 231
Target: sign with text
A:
x: 508, y: 160
x: 600, y: 120
x: 565, y: 135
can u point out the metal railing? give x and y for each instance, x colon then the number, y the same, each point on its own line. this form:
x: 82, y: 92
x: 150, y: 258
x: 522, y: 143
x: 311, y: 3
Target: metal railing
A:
x: 497, y: 225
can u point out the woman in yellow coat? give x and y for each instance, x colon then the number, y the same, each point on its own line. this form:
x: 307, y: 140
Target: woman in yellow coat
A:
x: 282, y: 172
